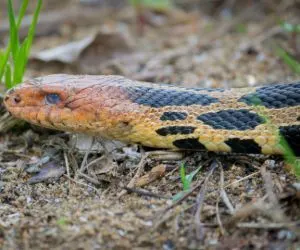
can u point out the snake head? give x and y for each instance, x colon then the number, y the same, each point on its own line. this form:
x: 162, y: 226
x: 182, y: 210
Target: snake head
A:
x: 80, y: 104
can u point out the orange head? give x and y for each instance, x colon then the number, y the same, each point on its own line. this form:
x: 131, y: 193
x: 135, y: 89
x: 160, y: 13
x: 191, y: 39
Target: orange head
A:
x: 89, y: 104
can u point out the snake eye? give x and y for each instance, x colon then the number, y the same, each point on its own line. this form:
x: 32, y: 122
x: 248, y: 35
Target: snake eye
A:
x: 52, y: 99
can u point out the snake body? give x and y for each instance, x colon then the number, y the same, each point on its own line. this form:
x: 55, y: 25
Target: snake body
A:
x: 161, y: 115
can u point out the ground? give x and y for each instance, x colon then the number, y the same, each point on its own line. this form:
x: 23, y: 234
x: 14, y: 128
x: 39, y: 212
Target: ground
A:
x: 49, y: 199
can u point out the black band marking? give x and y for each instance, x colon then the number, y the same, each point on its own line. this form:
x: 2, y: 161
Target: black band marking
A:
x: 231, y: 119
x: 247, y: 146
x: 191, y: 143
x: 156, y: 97
x: 292, y: 135
x: 173, y: 116
x: 274, y: 96
x: 174, y: 130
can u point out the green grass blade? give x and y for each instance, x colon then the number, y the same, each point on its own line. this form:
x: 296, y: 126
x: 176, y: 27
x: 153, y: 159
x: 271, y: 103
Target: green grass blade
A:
x: 22, y: 12
x: 187, y: 179
x: 32, y: 27
x: 191, y: 176
x: 13, y: 31
x: 289, y: 60
x: 13, y: 45
x: 22, y: 61
x: 3, y: 61
x: 20, y: 53
x: 1, y: 55
x: 8, y: 80
x: 160, y: 5
x: 24, y: 50
x: 134, y: 2
x: 183, y: 177
x: 291, y: 28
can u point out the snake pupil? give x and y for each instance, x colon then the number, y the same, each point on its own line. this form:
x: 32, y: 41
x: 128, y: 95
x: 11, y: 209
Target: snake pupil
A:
x: 52, y: 98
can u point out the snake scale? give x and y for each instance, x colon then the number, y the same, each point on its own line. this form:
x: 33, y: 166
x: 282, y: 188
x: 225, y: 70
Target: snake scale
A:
x: 162, y: 115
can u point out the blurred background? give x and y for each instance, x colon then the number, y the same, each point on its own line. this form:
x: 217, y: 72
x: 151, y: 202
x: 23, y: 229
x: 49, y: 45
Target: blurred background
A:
x: 189, y: 42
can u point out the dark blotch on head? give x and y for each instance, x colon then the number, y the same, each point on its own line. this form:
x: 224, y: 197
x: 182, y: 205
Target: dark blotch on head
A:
x: 274, y: 96
x: 247, y: 146
x: 173, y: 116
x: 189, y: 144
x: 292, y: 136
x: 232, y: 119
x: 156, y: 97
x: 174, y: 130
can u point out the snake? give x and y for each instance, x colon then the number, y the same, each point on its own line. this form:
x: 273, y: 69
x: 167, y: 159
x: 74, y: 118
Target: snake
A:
x: 248, y: 120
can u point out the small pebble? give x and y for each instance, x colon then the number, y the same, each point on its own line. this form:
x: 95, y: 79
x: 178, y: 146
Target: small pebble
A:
x: 168, y: 245
x: 286, y: 234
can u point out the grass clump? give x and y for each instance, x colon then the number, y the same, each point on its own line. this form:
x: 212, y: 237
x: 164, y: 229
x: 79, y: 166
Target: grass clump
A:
x: 14, y: 59
x: 288, y: 59
x: 186, y: 180
x: 159, y: 5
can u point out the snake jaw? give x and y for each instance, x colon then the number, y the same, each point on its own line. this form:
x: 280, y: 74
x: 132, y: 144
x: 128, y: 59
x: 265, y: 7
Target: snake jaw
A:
x: 28, y: 102
x: 79, y: 109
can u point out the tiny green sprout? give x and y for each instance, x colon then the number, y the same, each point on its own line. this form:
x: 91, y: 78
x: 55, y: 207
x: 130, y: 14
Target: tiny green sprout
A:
x: 186, y: 180
x: 160, y: 5
x: 241, y: 28
x: 294, y: 30
x: 293, y: 64
x: 61, y: 222
x: 291, y: 28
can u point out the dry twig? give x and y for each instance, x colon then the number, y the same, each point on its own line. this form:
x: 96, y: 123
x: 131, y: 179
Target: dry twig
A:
x: 200, y: 201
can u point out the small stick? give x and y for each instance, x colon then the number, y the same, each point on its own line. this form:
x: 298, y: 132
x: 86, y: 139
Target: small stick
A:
x: 68, y: 170
x: 223, y: 193
x: 84, y: 161
x: 199, y: 202
x: 219, y: 217
x: 268, y: 225
x: 88, y: 178
x: 140, y: 167
x: 83, y: 184
x: 144, y: 192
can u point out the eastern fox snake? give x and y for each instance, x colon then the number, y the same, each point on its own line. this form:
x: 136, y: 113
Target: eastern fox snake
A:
x: 161, y: 115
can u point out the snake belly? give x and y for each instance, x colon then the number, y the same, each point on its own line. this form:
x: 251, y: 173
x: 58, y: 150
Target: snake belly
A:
x: 241, y: 120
